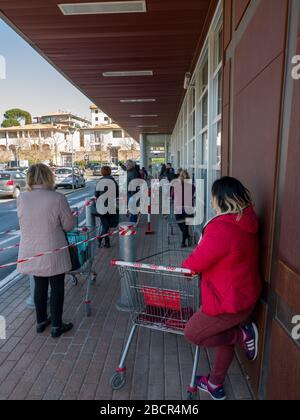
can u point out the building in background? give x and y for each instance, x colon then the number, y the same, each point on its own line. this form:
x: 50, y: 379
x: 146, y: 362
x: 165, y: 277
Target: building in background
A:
x: 36, y: 143
x: 238, y: 116
x: 106, y: 141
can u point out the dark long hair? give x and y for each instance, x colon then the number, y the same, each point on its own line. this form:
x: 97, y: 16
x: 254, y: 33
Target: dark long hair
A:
x: 231, y: 195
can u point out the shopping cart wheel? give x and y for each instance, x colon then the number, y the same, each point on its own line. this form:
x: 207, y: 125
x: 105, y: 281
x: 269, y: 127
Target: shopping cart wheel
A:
x: 94, y: 278
x: 118, y: 380
x: 191, y: 396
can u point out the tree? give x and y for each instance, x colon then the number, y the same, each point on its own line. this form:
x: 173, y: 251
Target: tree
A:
x: 10, y: 122
x: 13, y: 117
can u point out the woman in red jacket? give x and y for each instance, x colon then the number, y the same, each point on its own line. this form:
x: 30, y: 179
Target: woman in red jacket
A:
x: 227, y: 258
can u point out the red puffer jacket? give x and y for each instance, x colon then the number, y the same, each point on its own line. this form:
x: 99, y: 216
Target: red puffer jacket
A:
x: 227, y: 257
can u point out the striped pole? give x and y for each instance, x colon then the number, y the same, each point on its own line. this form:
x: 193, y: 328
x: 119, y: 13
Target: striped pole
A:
x: 128, y: 253
x: 149, y: 230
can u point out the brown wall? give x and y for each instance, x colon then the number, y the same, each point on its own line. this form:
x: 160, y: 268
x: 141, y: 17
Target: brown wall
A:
x: 253, y: 99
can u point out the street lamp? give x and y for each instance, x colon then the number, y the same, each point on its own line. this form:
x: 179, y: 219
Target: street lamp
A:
x: 72, y: 131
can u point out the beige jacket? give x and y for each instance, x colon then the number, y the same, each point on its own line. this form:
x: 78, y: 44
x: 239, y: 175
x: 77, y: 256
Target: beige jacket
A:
x: 44, y: 217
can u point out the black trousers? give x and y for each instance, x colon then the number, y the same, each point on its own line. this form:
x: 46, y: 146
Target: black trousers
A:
x: 105, y: 225
x: 57, y: 284
x: 185, y: 231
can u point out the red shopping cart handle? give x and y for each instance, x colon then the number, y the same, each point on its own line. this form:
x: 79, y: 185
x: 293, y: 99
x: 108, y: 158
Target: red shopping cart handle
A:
x: 154, y: 267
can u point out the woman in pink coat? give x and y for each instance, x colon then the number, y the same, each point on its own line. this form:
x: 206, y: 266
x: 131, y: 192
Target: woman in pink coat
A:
x: 44, y: 217
x: 227, y: 258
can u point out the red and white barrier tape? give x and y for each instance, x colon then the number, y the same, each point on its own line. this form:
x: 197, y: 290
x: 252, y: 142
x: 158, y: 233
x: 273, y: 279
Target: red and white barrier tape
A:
x: 75, y: 213
x: 153, y: 267
x: 86, y: 241
x: 8, y: 232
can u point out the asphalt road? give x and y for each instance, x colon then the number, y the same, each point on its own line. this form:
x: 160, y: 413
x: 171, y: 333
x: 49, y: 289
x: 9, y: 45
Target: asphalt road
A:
x: 9, y: 221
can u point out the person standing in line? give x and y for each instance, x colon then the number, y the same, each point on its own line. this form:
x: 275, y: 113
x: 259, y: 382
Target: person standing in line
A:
x: 107, y: 220
x: 227, y: 258
x: 45, y: 217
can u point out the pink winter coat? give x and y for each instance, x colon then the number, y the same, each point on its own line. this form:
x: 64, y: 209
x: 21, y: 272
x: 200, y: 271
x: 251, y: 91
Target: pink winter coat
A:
x: 44, y: 217
x: 227, y: 257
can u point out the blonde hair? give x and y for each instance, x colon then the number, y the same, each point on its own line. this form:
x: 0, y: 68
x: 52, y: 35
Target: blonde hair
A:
x: 40, y: 174
x: 231, y: 196
x: 184, y: 175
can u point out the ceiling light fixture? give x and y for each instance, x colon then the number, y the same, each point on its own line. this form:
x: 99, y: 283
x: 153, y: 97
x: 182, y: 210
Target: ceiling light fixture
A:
x: 147, y: 126
x: 136, y: 100
x: 107, y: 7
x: 134, y: 73
x: 144, y: 116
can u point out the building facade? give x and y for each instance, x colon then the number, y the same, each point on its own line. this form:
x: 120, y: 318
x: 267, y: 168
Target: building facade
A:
x: 106, y: 141
x: 239, y: 115
x: 37, y: 142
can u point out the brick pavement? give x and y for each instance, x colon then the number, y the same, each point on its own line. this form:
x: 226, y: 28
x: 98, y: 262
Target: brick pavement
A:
x: 79, y: 364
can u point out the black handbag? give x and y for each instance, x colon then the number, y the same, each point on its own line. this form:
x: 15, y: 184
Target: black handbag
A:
x: 74, y: 258
x: 73, y: 251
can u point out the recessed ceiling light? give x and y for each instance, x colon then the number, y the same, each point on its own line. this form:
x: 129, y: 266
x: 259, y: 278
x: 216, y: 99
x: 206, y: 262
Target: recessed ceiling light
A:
x: 70, y: 9
x: 137, y: 100
x: 147, y: 126
x: 144, y: 116
x: 134, y: 73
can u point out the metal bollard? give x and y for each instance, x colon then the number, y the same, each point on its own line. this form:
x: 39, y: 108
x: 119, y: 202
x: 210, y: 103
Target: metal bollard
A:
x: 90, y: 217
x: 128, y: 253
x: 30, y: 301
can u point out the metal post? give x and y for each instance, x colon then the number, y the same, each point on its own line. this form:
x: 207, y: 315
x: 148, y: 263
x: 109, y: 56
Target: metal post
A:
x: 90, y: 218
x: 30, y: 301
x: 128, y: 253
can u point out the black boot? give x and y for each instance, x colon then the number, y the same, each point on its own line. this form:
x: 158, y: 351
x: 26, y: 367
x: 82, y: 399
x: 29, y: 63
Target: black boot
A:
x: 40, y: 328
x: 107, y: 242
x: 58, y: 331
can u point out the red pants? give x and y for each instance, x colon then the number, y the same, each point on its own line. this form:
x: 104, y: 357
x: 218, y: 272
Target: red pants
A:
x: 222, y: 332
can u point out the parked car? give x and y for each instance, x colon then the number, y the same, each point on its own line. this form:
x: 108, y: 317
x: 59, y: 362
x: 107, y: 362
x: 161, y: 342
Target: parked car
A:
x: 12, y: 183
x: 97, y: 170
x: 65, y: 178
x: 115, y: 170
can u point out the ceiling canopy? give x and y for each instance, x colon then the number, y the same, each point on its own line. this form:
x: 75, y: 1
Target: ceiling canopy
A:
x: 129, y: 57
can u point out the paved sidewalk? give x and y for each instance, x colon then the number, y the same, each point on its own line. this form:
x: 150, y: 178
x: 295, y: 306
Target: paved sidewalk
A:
x: 79, y: 364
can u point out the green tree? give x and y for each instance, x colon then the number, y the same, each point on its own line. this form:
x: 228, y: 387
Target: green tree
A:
x: 10, y: 122
x: 13, y: 117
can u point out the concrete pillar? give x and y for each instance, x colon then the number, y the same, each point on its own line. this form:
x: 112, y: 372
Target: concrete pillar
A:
x: 166, y: 150
x: 90, y: 218
x: 143, y: 148
x: 127, y: 253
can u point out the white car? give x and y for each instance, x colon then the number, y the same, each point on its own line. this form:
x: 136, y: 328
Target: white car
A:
x: 65, y: 179
x: 115, y: 170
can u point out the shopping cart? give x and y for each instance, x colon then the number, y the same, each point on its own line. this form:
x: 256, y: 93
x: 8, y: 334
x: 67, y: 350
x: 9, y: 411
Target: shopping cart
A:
x: 161, y: 297
x: 86, y: 253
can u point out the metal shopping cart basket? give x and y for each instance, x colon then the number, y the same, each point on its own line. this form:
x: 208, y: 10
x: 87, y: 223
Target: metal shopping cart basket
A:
x: 86, y: 253
x: 161, y: 297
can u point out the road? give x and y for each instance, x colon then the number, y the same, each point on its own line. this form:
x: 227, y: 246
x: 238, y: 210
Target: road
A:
x: 9, y: 221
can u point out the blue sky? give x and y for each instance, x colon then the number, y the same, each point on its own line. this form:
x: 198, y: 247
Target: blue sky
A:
x: 32, y: 83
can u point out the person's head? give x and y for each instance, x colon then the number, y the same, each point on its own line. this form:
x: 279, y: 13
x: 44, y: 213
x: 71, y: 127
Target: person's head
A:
x: 184, y: 175
x: 179, y: 170
x: 40, y: 174
x: 106, y: 171
x: 130, y: 165
x: 230, y: 196
x: 169, y: 165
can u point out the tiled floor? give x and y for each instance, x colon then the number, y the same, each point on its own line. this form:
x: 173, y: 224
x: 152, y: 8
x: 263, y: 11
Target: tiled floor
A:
x: 80, y: 364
